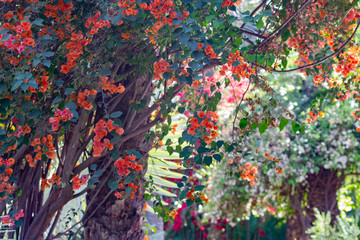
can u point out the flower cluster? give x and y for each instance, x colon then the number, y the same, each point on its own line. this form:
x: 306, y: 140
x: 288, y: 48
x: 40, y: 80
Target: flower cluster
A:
x: 274, y: 159
x: 5, y: 187
x: 112, y: 88
x: 173, y: 213
x: 241, y: 69
x: 124, y: 165
x: 45, y: 183
x: 4, y: 177
x: 208, y: 122
x: 101, y: 130
x: 122, y: 193
x: 7, y: 220
x: 81, y: 99
x: 160, y: 67
x: 314, y: 116
x: 22, y: 129
x: 350, y: 61
x: 47, y: 148
x: 192, y: 195
x: 249, y: 173
x: 78, y: 182
x: 128, y: 6
x: 75, y: 47
x: 96, y: 23
x: 210, y: 51
x: 59, y: 115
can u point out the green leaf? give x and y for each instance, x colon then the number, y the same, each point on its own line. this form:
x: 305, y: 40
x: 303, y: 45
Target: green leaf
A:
x: 253, y: 125
x: 243, y: 123
x: 295, y: 127
x: 170, y: 149
x: 217, y: 157
x: 189, y: 202
x: 115, y: 114
x: 38, y: 22
x: 184, y: 38
x: 181, y: 109
x: 283, y: 123
x: 302, y: 130
x: 134, y: 152
x: 129, y: 178
x: 182, y: 194
x: 113, y: 184
x: 16, y: 84
x: 199, y: 187
x: 285, y: 34
x: 208, y: 160
x: 262, y: 127
x: 259, y: 24
x: 48, y: 54
x: 105, y: 72
x: 218, y: 23
x: 219, y: 143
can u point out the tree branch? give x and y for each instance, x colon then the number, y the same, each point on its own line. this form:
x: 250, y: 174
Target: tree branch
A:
x: 325, y: 58
x: 268, y: 38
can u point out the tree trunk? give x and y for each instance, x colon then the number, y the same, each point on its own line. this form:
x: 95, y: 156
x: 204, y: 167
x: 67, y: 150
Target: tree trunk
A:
x: 321, y: 193
x: 106, y: 216
x: 113, y: 218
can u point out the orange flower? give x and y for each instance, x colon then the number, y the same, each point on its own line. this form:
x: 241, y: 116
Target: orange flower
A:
x: 9, y: 171
x: 65, y: 68
x: 173, y: 213
x: 201, y: 114
x: 207, y: 139
x: 26, y: 26
x: 125, y: 35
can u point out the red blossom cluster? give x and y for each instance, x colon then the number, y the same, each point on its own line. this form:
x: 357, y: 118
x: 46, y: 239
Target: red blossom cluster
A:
x: 192, y: 195
x: 53, y: 10
x: 122, y: 193
x: 242, y: 70
x: 11, y: 222
x: 314, y: 116
x: 20, y: 36
x: 209, y: 51
x: 47, y: 148
x: 78, y: 182
x: 249, y: 173
x: 59, y: 115
x: 160, y: 67
x: 45, y: 183
x: 97, y: 23
x: 163, y: 11
x: 112, y: 88
x: 350, y: 61
x: 208, y: 122
x: 81, y: 99
x: 22, y: 129
x: 75, y: 47
x: 124, y: 165
x: 128, y: 6
x: 101, y: 130
x: 4, y: 177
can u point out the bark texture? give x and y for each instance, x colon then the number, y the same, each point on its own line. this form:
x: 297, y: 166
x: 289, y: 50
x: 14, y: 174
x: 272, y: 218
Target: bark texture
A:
x: 107, y: 217
x: 320, y: 193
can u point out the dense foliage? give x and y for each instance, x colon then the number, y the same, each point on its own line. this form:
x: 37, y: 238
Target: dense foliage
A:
x: 84, y: 83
